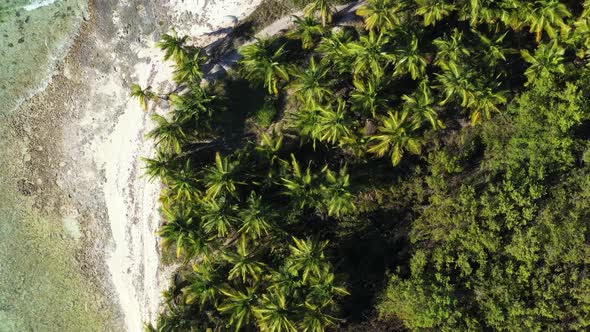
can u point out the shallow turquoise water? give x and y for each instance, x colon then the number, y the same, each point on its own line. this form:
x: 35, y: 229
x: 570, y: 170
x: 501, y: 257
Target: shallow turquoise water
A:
x: 42, y: 287
x: 33, y: 34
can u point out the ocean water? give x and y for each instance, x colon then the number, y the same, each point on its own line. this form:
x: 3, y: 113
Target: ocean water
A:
x: 33, y: 35
x: 42, y: 286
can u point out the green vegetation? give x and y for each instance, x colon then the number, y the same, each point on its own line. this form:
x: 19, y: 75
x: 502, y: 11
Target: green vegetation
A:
x: 425, y: 170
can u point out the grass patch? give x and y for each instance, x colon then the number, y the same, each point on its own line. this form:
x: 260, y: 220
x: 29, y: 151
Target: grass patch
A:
x: 266, y: 114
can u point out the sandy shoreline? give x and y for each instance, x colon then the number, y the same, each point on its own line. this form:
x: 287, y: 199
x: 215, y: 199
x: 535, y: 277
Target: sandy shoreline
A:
x: 87, y: 138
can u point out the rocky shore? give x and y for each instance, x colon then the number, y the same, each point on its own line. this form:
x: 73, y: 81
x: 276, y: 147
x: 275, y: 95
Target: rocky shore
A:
x: 79, y: 145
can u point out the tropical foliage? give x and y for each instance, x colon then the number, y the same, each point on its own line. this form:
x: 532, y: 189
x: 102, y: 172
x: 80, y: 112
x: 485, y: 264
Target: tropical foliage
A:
x: 425, y: 169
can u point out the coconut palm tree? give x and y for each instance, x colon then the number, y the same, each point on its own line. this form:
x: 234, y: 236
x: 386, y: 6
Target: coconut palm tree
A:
x: 205, y: 284
x: 368, y: 97
x: 244, y: 264
x: 323, y: 7
x: 306, y: 120
x: 174, y: 47
x: 307, y: 258
x: 320, y: 302
x: 196, y: 106
x: 181, y: 185
x: 421, y: 106
x: 334, y: 50
x: 323, y: 290
x: 218, y: 217
x: 219, y: 178
x: 143, y: 95
x: 582, y: 32
x: 333, y: 124
x: 188, y: 70
x: 395, y: 136
x: 450, y: 50
x: 254, y: 220
x: 184, y: 232
x: 300, y: 186
x: 547, y: 16
x: 548, y: 59
x: 433, y: 10
x: 168, y: 135
x: 239, y: 305
x: 382, y: 14
x: 493, y: 48
x: 261, y: 63
x: 488, y: 11
x: 339, y: 200
x: 159, y: 166
x: 370, y: 54
x: 457, y: 83
x: 486, y: 102
x: 274, y: 314
x: 270, y: 147
x: 408, y: 59
x: 307, y: 29
x: 312, y: 84
x: 315, y: 320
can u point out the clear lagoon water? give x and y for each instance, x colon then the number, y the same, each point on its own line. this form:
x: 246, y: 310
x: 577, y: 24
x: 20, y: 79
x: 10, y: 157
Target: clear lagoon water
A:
x: 42, y: 288
x: 33, y: 34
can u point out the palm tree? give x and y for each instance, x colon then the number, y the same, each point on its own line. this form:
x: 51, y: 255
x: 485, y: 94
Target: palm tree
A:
x: 450, y: 50
x: 395, y: 137
x: 274, y: 313
x: 195, y: 105
x: 254, y: 220
x: 159, y: 166
x: 323, y: 7
x: 494, y: 51
x: 548, y: 59
x: 312, y: 84
x: 219, y: 178
x: 189, y: 69
x: 548, y: 16
x: 582, y: 32
x: 218, y: 218
x: 239, y: 305
x: 320, y: 301
x: 307, y: 30
x: 204, y: 284
x: 323, y: 291
x: 168, y: 134
x: 306, y: 121
x: 456, y: 82
x: 382, y: 14
x: 333, y: 124
x: 367, y: 96
x: 339, y: 200
x: 261, y: 63
x: 370, y: 55
x: 410, y: 60
x: 433, y: 10
x: 183, y: 231
x: 486, y: 102
x: 299, y: 186
x: 421, y: 106
x: 270, y: 147
x: 307, y: 258
x: 181, y: 185
x: 244, y: 265
x: 174, y: 47
x: 143, y: 95
x: 314, y: 320
x: 334, y: 50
